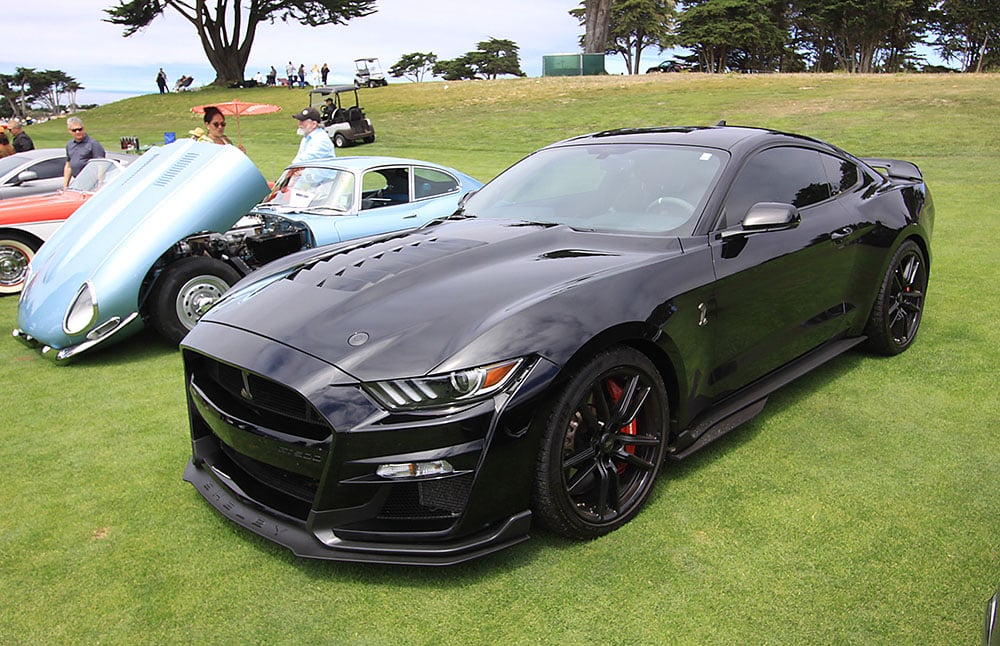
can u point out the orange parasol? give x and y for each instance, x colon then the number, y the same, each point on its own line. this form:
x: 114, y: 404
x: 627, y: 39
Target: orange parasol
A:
x: 237, y: 108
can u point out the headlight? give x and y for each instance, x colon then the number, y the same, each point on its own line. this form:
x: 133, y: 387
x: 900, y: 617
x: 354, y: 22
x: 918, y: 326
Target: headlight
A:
x: 82, y: 312
x: 438, y: 391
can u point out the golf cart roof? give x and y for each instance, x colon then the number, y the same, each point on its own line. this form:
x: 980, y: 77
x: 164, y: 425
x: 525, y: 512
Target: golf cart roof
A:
x: 333, y: 89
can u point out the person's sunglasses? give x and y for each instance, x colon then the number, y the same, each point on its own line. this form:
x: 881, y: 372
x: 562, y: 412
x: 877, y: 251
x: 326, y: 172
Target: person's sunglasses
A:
x: 76, y: 129
x: 218, y: 124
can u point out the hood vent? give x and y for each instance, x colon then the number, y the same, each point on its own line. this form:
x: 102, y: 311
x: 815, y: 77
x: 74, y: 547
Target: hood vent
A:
x: 175, y: 169
x: 361, y: 267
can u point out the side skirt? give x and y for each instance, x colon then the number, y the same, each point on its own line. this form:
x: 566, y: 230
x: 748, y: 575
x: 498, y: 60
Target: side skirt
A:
x: 749, y: 402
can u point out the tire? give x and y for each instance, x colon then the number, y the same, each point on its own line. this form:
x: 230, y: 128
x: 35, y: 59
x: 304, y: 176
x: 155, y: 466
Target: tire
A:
x: 339, y: 140
x: 16, y: 251
x: 589, y: 480
x: 899, y: 306
x: 185, y: 291
x: 369, y: 140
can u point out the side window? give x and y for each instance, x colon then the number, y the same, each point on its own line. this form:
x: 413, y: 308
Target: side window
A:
x: 429, y: 182
x: 789, y: 175
x: 49, y: 168
x: 843, y: 174
x: 385, y: 186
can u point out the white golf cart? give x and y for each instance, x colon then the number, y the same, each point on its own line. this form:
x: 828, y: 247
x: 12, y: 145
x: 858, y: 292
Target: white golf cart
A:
x: 369, y: 73
x: 347, y: 125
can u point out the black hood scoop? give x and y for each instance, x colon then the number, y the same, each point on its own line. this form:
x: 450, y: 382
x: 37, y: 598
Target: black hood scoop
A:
x: 366, y: 266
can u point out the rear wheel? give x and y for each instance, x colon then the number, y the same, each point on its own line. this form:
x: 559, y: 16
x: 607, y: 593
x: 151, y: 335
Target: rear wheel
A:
x: 602, y: 446
x: 895, y: 317
x: 16, y: 251
x: 186, y: 290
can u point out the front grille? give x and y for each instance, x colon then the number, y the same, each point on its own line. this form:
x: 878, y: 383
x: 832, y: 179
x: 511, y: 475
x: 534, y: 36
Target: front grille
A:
x: 431, y: 500
x: 287, y: 482
x: 250, y: 396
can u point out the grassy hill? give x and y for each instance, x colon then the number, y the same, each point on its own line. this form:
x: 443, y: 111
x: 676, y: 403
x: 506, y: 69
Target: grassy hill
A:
x: 862, y: 507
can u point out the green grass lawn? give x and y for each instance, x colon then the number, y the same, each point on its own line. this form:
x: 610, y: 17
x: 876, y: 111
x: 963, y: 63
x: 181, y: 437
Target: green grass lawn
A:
x: 862, y: 506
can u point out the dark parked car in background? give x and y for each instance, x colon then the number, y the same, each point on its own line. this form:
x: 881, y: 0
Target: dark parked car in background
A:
x: 672, y: 66
x: 606, y: 303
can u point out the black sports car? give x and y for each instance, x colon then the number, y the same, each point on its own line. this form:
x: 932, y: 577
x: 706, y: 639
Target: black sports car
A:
x: 608, y: 302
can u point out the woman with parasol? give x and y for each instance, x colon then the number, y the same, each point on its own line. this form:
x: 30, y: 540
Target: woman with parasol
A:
x: 215, y: 124
x: 215, y: 119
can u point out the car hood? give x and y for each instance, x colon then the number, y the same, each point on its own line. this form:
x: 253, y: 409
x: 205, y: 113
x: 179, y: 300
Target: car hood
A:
x: 444, y: 297
x: 39, y: 208
x: 113, y: 240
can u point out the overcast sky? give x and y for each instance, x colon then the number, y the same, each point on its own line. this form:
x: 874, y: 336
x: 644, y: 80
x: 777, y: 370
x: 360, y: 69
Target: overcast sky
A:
x: 69, y: 35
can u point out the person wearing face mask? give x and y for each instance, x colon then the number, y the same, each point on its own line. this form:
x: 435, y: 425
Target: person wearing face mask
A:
x: 315, y: 142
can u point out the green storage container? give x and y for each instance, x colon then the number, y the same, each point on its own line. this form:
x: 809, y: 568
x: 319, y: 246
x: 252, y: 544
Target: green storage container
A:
x: 573, y: 65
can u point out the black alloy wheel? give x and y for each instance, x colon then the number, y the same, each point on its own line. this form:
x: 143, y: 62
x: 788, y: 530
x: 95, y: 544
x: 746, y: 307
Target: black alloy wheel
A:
x: 899, y: 307
x: 602, y: 446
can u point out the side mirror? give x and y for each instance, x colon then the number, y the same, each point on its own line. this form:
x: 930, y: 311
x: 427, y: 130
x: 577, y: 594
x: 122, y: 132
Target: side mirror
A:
x: 26, y: 176
x: 765, y: 217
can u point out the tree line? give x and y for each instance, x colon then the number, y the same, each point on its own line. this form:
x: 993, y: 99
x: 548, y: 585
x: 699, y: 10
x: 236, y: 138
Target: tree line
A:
x: 51, y: 90
x: 856, y: 36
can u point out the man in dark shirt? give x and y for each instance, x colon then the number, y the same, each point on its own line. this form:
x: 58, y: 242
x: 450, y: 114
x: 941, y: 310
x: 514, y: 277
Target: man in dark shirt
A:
x: 79, y: 150
x: 21, y: 141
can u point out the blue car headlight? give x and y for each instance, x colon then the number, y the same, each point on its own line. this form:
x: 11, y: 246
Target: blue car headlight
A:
x: 443, y: 390
x: 82, y: 311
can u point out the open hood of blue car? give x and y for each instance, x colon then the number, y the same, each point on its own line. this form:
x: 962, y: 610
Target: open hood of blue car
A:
x: 113, y: 240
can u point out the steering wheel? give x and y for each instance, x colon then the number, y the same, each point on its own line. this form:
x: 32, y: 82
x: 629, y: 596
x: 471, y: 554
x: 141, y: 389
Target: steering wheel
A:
x: 671, y: 206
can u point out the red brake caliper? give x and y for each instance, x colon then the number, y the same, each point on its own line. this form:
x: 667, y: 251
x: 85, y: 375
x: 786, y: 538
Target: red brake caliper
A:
x: 616, y: 393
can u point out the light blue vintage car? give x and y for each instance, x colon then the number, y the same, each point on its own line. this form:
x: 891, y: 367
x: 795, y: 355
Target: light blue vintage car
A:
x: 162, y: 242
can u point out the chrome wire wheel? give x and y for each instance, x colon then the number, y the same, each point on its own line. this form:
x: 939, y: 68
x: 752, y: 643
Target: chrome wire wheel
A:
x: 15, y: 254
x: 603, y: 446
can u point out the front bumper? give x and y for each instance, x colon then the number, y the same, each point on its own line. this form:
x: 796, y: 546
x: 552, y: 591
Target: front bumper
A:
x: 289, y: 447
x: 114, y: 327
x: 219, y: 490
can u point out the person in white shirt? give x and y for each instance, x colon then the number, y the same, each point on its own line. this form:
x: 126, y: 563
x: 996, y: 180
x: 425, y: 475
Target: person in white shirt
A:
x: 315, y: 142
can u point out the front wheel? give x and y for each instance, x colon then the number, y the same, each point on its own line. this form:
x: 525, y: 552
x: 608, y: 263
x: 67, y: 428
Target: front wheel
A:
x: 16, y: 251
x: 185, y: 291
x: 602, y: 445
x: 899, y: 306
x: 339, y: 140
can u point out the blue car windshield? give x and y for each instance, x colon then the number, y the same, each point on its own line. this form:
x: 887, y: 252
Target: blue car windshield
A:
x: 629, y: 188
x: 313, y: 189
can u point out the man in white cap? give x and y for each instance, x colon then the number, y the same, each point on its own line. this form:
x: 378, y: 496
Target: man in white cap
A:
x: 315, y: 142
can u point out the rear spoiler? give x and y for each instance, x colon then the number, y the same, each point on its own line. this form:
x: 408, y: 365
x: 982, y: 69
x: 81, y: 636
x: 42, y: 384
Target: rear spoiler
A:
x: 894, y: 167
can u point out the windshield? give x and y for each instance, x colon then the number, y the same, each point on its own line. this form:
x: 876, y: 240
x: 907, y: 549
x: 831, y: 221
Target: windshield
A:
x: 95, y: 175
x: 313, y: 189
x: 639, y: 188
